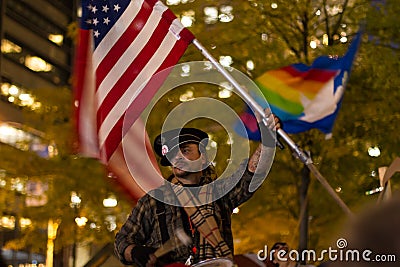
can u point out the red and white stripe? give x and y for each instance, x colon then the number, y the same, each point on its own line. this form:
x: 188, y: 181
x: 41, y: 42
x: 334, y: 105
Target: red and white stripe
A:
x: 116, y: 77
x: 125, y: 61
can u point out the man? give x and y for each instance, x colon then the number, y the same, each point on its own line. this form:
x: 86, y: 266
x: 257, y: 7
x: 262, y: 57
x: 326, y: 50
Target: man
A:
x: 191, y: 201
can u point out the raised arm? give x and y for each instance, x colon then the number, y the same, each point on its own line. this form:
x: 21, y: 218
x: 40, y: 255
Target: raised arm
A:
x: 250, y: 174
x: 260, y: 161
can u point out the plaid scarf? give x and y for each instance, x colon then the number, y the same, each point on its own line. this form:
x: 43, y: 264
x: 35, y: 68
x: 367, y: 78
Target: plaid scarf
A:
x: 200, y: 216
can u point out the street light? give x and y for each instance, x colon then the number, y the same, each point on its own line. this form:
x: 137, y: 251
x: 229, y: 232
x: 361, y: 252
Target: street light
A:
x: 81, y: 221
x: 75, y: 200
x: 374, y: 151
x: 75, y: 204
x: 51, y: 236
x: 110, y: 202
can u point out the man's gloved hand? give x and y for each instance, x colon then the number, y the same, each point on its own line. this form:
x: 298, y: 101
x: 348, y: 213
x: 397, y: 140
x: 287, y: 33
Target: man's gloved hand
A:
x: 141, y: 255
x: 268, y: 128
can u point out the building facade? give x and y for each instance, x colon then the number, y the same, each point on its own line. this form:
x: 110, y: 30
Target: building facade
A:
x: 36, y: 53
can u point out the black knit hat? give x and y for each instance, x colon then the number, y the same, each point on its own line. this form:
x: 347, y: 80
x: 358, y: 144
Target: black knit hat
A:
x: 171, y: 140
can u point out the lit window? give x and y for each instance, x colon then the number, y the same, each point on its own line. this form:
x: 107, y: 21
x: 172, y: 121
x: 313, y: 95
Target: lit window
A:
x: 8, y: 222
x: 19, y: 96
x: 37, y: 64
x: 11, y: 134
x: 26, y: 99
x: 56, y: 38
x: 5, y: 87
x: 13, y: 90
x: 8, y: 47
x: 79, y: 12
x: 25, y: 222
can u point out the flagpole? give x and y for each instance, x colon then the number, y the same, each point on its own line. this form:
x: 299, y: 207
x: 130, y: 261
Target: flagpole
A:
x: 300, y: 154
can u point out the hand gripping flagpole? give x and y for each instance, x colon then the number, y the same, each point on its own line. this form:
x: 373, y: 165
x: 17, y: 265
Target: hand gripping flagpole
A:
x: 300, y: 154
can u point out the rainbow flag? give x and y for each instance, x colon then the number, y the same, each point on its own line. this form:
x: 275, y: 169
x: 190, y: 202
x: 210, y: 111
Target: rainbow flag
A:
x: 302, y: 96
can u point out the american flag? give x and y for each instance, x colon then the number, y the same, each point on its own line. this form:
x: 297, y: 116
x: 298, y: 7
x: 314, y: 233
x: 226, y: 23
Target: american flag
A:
x: 121, y: 45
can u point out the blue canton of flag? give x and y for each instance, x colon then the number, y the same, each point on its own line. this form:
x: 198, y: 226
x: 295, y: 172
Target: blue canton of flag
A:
x: 100, y: 16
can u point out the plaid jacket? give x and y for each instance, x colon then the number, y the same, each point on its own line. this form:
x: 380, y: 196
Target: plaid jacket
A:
x: 142, y: 226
